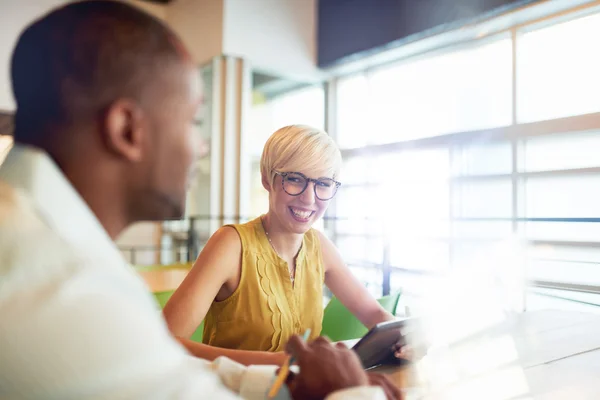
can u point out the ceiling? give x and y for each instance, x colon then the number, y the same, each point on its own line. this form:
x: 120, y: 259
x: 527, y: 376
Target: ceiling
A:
x: 272, y: 86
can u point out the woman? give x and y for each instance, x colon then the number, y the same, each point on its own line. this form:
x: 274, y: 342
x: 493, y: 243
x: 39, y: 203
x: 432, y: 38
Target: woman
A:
x: 256, y: 284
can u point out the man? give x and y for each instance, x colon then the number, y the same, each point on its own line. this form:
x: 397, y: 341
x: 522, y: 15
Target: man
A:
x: 106, y: 98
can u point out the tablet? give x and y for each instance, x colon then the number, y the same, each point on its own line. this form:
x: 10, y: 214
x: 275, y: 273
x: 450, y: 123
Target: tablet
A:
x: 376, y: 346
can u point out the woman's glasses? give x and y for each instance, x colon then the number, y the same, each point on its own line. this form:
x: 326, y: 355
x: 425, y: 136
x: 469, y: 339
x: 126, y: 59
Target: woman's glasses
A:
x: 295, y: 183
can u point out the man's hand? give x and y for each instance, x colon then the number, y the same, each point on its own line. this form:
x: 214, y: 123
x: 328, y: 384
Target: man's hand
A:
x: 391, y: 391
x: 324, y: 368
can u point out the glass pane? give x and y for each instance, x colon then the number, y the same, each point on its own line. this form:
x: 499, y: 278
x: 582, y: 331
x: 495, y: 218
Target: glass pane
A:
x: 494, y: 256
x: 413, y: 197
x: 353, y: 119
x: 350, y: 200
x: 565, y: 263
x: 419, y: 254
x: 355, y: 170
x: 566, y: 253
x: 565, y: 272
x: 459, y: 91
x: 481, y: 229
x: 416, y: 209
x: 485, y: 199
x: 562, y: 231
x: 358, y: 225
x: 409, y: 283
x: 563, y: 197
x: 558, y: 70
x: 352, y: 210
x: 483, y: 159
x: 541, y: 298
x: 259, y: 197
x: 416, y: 165
x: 372, y: 278
x: 198, y: 196
x: 304, y: 106
x: 357, y: 249
x: 562, y: 151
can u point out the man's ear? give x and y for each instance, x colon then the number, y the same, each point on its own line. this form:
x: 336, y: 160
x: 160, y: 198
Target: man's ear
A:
x: 124, y: 129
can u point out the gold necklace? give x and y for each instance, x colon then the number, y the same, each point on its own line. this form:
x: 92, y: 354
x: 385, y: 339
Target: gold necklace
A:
x: 292, y: 277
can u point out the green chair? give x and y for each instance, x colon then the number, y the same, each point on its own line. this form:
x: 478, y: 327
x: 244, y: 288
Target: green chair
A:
x: 340, y: 324
x: 163, y: 297
x: 163, y: 267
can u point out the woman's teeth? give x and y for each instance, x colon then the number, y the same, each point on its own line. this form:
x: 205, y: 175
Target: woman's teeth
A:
x: 301, y: 213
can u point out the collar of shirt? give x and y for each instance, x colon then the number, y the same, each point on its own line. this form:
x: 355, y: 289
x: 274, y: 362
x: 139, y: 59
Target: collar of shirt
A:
x: 36, y: 175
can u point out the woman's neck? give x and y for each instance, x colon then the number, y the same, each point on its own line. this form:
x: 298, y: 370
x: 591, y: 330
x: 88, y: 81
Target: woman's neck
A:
x: 286, y: 244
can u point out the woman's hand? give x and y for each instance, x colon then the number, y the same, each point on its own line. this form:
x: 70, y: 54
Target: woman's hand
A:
x: 403, y: 351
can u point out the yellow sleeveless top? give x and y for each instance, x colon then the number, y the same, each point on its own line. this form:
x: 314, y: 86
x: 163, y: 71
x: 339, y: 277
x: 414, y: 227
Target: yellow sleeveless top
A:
x: 266, y: 310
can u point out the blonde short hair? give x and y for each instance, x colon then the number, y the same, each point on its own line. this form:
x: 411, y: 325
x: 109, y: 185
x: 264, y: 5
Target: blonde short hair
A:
x: 300, y: 148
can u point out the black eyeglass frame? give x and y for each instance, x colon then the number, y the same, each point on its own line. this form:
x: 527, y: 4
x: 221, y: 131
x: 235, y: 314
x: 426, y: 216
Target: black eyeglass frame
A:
x: 307, y: 181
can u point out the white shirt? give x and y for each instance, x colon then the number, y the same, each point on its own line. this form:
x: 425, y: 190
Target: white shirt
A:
x: 76, y: 321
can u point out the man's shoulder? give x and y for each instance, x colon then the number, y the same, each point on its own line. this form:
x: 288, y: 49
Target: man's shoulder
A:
x: 31, y: 251
x: 20, y: 224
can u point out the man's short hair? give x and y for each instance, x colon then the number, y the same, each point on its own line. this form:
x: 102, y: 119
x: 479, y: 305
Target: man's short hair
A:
x: 76, y: 60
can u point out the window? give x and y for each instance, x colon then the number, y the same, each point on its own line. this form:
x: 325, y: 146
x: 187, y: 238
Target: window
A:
x: 457, y: 91
x: 558, y: 70
x: 481, y: 157
x: 561, y: 151
x: 433, y: 204
x: 353, y: 113
x: 304, y: 106
x: 562, y: 193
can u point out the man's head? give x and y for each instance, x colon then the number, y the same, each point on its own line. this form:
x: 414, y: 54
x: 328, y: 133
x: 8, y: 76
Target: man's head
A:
x: 105, y: 85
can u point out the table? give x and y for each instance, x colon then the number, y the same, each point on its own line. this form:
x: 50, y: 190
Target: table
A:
x: 160, y: 280
x: 549, y: 355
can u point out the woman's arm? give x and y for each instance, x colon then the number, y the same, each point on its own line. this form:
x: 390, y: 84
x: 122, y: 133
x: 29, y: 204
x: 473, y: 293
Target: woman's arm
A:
x: 219, y: 262
x: 217, y: 266
x: 244, y: 357
x: 348, y: 289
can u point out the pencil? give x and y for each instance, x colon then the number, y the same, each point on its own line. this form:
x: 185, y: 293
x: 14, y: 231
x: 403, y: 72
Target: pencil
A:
x: 284, y: 371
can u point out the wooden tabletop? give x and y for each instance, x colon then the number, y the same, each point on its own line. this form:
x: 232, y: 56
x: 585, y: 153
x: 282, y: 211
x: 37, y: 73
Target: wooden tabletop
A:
x: 160, y: 280
x: 549, y: 355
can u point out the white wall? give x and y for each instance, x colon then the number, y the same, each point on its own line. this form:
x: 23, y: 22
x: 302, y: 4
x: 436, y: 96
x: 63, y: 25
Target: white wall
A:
x: 157, y: 10
x: 14, y: 16
x: 274, y: 35
x: 199, y: 23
